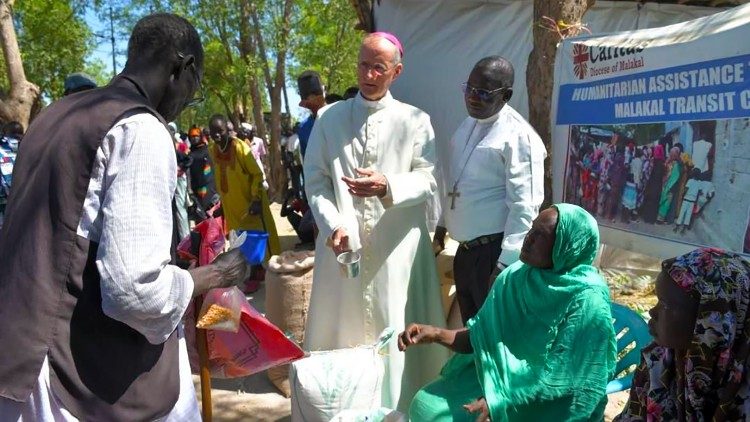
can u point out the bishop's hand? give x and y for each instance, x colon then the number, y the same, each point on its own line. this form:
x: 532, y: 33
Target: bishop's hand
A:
x: 369, y: 183
x: 340, y: 241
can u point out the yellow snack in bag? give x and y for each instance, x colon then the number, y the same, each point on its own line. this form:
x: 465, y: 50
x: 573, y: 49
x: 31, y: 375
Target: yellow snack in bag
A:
x: 215, y: 314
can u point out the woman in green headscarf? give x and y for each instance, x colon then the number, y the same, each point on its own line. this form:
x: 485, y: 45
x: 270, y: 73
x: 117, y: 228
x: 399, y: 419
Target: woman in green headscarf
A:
x: 542, y: 347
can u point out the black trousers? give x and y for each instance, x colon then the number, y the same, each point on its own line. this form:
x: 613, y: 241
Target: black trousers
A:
x: 471, y: 271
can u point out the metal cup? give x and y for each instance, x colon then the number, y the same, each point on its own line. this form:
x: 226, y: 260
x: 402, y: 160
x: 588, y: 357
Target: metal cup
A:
x: 349, y: 264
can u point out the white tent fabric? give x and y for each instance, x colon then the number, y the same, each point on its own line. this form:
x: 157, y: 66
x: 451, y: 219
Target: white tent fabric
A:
x: 444, y: 38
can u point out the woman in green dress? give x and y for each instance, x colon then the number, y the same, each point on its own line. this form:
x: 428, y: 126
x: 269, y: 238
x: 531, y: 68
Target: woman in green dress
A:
x: 671, y: 185
x: 542, y: 347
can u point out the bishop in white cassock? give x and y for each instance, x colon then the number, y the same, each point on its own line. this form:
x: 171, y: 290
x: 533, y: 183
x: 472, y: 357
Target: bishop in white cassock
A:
x: 491, y: 183
x: 369, y: 173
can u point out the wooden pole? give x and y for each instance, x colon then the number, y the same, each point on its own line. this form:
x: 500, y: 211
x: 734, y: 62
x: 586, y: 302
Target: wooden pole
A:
x: 205, y: 373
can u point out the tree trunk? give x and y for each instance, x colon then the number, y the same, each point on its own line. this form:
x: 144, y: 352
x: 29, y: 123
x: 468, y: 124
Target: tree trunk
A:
x: 364, y: 14
x: 19, y: 102
x: 260, y: 124
x: 248, y: 52
x: 277, y: 178
x: 540, y: 72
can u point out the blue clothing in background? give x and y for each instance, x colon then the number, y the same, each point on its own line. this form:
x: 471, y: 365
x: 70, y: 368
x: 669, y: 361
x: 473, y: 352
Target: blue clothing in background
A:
x: 304, y: 131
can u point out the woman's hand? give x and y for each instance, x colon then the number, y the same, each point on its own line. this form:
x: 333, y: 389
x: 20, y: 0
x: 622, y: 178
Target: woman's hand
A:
x: 255, y: 208
x: 418, y: 334
x: 479, y: 406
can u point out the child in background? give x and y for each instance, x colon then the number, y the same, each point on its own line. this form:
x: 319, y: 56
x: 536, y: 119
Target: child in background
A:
x: 629, y: 199
x: 707, y: 192
x: 692, y: 192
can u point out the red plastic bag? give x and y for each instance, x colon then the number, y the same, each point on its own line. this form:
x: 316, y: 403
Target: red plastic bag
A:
x: 221, y: 310
x: 257, y: 346
x: 209, y: 236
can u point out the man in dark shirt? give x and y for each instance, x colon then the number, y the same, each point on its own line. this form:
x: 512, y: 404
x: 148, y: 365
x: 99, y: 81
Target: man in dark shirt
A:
x: 312, y: 93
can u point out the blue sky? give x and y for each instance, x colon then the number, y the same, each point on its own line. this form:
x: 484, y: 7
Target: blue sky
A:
x: 103, y: 52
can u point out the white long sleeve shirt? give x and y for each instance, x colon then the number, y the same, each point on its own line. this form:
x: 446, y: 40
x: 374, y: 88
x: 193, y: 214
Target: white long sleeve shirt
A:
x: 501, y: 186
x: 127, y: 210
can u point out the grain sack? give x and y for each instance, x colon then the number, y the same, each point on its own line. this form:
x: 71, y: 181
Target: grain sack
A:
x: 288, y: 287
x: 328, y: 383
x: 378, y: 415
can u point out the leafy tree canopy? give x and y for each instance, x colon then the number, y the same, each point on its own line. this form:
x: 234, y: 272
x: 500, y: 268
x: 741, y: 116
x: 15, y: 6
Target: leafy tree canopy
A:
x: 54, y: 41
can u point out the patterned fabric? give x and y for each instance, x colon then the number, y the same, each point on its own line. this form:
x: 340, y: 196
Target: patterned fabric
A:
x: 712, y: 382
x: 201, y: 176
x: 7, y: 160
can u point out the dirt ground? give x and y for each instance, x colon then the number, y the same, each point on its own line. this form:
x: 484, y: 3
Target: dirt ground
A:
x: 255, y: 399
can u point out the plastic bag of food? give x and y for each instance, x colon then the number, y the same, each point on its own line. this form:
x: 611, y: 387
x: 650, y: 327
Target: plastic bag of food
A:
x: 221, y: 310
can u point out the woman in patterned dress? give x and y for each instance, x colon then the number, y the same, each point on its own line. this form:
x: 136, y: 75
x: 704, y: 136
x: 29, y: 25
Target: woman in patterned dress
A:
x: 696, y: 369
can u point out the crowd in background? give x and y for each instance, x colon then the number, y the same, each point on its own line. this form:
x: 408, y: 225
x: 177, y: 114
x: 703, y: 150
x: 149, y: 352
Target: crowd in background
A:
x: 662, y: 182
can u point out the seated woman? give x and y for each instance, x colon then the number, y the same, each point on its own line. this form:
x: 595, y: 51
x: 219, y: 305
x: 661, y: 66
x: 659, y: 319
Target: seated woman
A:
x: 696, y: 369
x: 542, y: 347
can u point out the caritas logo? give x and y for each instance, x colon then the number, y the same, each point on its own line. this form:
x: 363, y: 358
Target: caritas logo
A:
x: 580, y: 60
x: 605, y: 60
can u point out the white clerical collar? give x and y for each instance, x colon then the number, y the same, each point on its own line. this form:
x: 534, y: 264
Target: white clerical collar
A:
x: 377, y: 104
x: 491, y: 119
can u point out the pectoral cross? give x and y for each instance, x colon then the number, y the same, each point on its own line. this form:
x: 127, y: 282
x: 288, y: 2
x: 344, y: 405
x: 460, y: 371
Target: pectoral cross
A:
x: 455, y: 193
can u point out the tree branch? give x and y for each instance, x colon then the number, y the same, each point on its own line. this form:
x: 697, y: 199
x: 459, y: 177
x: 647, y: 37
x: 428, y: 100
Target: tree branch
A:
x: 11, y: 52
x: 261, y: 47
x: 22, y: 93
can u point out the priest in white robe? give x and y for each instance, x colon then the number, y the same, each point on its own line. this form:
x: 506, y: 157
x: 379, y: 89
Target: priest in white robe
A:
x: 369, y: 173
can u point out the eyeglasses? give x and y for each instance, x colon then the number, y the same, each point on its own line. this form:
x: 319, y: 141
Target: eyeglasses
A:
x: 377, y: 68
x: 483, y: 94
x: 199, y: 95
x: 198, y: 98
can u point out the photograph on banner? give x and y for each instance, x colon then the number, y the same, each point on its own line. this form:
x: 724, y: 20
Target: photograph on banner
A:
x: 654, y: 178
x: 652, y: 134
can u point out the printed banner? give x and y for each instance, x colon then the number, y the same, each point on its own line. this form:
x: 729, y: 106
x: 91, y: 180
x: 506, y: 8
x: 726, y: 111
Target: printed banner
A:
x: 652, y: 134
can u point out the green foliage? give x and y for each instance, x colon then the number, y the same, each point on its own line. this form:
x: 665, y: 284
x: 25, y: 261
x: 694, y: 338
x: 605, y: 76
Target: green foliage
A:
x: 322, y: 38
x: 327, y: 42
x: 54, y: 41
x: 225, y: 75
x: 99, y: 71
